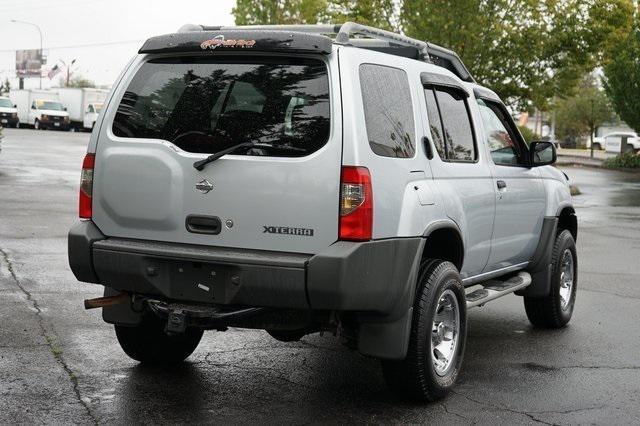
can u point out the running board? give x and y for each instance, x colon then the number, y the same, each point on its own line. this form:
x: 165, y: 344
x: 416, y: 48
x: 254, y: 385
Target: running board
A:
x: 493, y: 289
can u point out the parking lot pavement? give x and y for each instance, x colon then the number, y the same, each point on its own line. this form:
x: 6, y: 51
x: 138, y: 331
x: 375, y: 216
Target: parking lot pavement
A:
x: 61, y: 364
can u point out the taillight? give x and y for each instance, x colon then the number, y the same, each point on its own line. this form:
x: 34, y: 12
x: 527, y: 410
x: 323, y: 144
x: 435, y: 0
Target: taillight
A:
x: 356, y: 204
x: 86, y: 186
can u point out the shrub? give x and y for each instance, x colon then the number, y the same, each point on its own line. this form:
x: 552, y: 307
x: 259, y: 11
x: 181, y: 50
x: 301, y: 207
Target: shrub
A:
x: 627, y: 160
x: 528, y: 134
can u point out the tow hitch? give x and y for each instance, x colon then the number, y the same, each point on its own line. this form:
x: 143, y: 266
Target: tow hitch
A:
x: 179, y: 316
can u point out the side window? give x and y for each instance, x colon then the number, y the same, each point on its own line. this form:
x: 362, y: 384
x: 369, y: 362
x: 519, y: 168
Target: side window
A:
x: 457, y: 130
x: 388, y: 111
x: 503, y: 144
x: 435, y: 123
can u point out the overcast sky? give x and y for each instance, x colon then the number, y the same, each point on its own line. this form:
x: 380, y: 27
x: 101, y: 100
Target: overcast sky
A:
x: 102, y: 35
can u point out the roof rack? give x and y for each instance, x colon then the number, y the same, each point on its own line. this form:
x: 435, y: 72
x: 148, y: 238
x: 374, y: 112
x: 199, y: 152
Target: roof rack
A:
x: 377, y: 39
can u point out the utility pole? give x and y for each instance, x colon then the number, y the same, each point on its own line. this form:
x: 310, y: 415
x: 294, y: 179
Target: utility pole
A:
x: 40, y: 33
x: 591, y: 126
x: 68, y: 71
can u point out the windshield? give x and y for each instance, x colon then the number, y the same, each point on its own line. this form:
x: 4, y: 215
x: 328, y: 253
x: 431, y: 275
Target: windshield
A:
x: 6, y: 103
x: 49, y: 105
x: 206, y: 105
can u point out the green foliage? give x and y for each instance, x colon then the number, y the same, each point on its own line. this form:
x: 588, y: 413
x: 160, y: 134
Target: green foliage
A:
x: 6, y: 87
x: 528, y: 51
x: 376, y: 13
x: 528, y: 134
x: 266, y: 12
x: 78, y: 81
x: 581, y: 114
x: 627, y: 160
x: 622, y: 78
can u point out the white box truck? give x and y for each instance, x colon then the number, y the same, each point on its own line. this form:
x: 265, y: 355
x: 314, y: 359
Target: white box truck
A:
x: 41, y: 109
x: 83, y: 104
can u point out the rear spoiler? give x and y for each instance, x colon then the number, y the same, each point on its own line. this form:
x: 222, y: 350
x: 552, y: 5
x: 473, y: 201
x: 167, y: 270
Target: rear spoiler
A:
x: 238, y: 40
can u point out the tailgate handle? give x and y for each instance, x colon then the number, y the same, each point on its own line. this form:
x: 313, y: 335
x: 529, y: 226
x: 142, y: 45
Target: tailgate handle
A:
x: 198, y: 224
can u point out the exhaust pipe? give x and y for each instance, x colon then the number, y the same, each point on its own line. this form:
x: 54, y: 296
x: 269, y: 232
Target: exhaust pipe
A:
x: 101, y: 302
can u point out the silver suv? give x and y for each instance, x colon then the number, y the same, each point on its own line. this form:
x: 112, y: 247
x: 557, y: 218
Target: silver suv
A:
x: 299, y: 179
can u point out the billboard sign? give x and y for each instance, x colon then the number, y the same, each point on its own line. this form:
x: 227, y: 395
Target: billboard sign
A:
x: 29, y: 63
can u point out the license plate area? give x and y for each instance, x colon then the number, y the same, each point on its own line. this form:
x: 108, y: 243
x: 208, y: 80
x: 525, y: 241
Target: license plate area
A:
x: 204, y: 282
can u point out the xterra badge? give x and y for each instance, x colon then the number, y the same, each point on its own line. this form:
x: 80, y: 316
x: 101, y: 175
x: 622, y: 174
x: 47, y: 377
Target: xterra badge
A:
x: 305, y: 232
x: 219, y: 40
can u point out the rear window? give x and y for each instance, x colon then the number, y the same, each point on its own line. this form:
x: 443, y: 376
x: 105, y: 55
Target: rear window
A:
x: 205, y: 105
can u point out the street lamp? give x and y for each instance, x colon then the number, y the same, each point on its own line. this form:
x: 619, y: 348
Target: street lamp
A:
x: 39, y: 32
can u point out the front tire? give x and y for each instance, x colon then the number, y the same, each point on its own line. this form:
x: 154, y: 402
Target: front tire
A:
x: 36, y: 125
x: 149, y: 344
x: 438, y: 336
x: 555, y: 310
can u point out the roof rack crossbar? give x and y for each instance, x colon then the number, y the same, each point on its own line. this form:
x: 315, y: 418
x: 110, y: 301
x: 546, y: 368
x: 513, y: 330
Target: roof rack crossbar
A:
x: 351, y: 27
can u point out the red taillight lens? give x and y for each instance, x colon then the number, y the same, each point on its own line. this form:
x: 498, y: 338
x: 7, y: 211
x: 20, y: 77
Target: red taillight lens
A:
x: 356, y: 204
x: 86, y: 186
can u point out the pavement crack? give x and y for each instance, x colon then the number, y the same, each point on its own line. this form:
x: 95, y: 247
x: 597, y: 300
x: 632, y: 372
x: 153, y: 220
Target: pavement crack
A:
x: 543, y: 367
x: 510, y: 410
x: 51, y: 340
x: 446, y: 410
x: 624, y: 296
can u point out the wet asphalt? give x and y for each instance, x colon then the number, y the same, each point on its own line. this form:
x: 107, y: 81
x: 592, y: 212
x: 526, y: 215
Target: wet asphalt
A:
x: 62, y: 364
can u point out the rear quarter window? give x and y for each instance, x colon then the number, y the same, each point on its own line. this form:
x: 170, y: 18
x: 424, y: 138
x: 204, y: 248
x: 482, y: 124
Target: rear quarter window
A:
x: 205, y: 105
x: 388, y: 110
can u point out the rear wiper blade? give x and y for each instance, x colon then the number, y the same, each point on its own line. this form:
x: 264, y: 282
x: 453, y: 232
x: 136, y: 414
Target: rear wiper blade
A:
x: 200, y: 164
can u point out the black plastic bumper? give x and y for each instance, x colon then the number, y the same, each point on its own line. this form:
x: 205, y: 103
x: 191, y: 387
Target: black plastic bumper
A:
x: 371, y: 276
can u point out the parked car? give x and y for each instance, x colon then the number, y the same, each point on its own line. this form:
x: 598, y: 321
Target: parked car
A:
x: 8, y: 113
x: 276, y: 178
x: 83, y: 105
x: 618, y: 142
x: 41, y: 109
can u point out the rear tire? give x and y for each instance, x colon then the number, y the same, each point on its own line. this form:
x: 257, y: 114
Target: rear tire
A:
x: 555, y: 310
x: 149, y: 344
x: 438, y: 336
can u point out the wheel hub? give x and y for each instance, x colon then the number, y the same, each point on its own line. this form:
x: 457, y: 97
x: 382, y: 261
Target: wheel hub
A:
x: 445, y: 332
x: 566, y: 278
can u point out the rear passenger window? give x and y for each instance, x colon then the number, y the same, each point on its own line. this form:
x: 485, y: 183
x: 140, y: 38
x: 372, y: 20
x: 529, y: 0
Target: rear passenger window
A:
x: 450, y: 124
x: 388, y: 111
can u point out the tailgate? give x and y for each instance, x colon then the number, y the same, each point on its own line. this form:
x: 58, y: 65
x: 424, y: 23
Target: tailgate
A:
x: 281, y: 195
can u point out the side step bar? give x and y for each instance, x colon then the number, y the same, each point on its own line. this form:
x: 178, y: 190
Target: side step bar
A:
x: 493, y: 289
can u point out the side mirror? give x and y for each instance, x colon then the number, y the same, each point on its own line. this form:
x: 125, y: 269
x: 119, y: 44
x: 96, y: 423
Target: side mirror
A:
x: 15, y: 106
x: 33, y: 107
x: 65, y: 108
x: 542, y: 153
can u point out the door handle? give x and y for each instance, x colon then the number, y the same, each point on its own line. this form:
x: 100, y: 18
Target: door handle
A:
x: 197, y: 224
x: 501, y: 184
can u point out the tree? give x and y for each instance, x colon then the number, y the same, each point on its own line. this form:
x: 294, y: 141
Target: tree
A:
x: 622, y: 78
x: 267, y: 12
x: 528, y: 51
x: 376, y: 13
x: 6, y: 87
x: 580, y: 115
x: 77, y: 80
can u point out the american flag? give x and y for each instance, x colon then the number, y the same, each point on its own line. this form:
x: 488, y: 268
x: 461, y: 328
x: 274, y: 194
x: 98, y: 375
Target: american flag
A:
x: 54, y: 71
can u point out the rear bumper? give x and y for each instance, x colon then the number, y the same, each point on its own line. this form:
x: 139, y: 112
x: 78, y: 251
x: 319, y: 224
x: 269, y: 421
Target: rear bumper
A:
x: 370, y: 277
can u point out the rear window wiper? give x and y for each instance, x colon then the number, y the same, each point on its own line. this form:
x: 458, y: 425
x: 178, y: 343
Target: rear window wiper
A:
x: 200, y: 164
